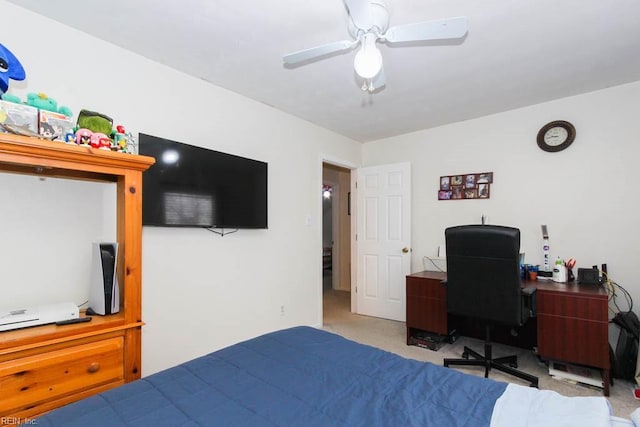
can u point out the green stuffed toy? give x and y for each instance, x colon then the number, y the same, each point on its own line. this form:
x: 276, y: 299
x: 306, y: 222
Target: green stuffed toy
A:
x: 95, y: 122
x: 39, y: 100
x: 10, y: 98
x: 43, y: 102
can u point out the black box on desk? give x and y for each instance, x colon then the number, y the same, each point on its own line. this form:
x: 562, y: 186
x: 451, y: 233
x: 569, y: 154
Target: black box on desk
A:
x: 588, y: 276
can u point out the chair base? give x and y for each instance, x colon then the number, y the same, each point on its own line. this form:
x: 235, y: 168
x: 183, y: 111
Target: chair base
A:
x: 506, y: 364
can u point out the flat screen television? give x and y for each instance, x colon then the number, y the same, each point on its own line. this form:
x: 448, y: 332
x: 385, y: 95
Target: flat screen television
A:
x: 191, y: 186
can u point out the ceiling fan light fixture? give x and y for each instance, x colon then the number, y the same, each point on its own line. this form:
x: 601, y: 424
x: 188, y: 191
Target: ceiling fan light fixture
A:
x: 368, y: 24
x: 368, y: 60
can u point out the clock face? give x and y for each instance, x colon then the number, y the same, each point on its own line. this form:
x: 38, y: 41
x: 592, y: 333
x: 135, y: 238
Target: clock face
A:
x: 555, y: 136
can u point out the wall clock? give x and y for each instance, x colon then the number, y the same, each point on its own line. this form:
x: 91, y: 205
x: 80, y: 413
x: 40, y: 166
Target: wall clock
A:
x: 556, y: 136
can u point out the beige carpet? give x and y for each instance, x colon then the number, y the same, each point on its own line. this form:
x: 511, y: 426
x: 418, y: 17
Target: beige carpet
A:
x: 391, y: 336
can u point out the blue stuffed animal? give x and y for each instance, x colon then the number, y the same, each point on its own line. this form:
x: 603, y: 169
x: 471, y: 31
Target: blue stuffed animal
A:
x: 10, y: 68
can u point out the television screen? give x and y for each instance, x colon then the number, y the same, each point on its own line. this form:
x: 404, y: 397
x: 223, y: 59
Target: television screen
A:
x: 191, y: 186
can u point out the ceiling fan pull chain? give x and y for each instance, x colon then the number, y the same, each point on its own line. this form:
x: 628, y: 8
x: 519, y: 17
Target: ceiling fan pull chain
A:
x: 367, y: 85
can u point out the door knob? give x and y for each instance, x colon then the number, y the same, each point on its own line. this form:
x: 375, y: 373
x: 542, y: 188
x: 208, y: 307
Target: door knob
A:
x: 405, y: 250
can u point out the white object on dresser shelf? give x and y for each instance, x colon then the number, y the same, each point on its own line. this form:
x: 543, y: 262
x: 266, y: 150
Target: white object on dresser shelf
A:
x: 37, y: 315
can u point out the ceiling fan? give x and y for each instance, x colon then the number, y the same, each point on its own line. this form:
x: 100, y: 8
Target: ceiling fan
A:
x: 368, y: 25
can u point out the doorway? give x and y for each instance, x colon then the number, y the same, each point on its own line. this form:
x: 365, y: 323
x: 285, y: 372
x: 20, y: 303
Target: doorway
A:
x: 336, y: 239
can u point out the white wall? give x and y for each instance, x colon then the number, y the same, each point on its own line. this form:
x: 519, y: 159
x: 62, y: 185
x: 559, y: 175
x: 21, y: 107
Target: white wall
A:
x: 200, y: 291
x: 587, y: 194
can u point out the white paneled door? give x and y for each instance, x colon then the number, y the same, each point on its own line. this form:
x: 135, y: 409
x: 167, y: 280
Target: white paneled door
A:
x: 383, y: 239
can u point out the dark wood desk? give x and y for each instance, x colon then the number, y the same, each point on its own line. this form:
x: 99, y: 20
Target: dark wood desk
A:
x: 571, y: 323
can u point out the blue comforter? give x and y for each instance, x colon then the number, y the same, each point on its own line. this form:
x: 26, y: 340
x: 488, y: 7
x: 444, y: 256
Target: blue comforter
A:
x: 294, y: 377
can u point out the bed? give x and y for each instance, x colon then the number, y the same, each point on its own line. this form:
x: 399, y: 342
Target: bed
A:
x: 309, y: 377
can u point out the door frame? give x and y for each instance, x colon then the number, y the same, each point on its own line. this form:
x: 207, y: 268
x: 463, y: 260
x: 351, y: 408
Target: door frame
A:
x: 352, y: 168
x: 335, y: 248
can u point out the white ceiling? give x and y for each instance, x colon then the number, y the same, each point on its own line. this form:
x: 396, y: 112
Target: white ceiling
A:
x: 516, y: 53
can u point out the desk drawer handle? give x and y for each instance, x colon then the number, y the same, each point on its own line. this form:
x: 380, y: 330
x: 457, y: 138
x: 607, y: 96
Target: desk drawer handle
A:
x: 93, y: 368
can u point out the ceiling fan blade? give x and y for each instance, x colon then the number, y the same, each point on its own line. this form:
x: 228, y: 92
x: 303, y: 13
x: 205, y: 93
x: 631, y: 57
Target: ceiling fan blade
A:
x: 360, y: 13
x: 449, y: 28
x: 318, y: 51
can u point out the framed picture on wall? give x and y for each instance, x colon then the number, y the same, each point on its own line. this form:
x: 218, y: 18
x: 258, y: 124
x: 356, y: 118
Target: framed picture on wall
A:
x: 470, y: 181
x: 471, y: 193
x: 485, y: 178
x: 465, y: 186
x: 457, y: 192
x: 483, y: 191
x: 445, y: 182
x: 444, y: 195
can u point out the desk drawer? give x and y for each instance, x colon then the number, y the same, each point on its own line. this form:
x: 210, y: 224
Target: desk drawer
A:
x: 572, y: 305
x: 427, y: 288
x: 573, y: 328
x: 28, y: 381
x: 573, y: 340
x: 426, y: 305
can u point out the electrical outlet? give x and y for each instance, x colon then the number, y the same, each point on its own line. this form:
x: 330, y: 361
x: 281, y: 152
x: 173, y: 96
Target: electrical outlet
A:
x: 282, y: 310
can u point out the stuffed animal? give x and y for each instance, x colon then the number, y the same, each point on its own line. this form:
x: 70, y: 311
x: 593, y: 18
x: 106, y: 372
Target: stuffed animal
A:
x: 83, y: 136
x: 95, y: 122
x: 43, y: 102
x: 100, y: 140
x: 10, y: 68
x: 11, y: 98
x: 40, y: 101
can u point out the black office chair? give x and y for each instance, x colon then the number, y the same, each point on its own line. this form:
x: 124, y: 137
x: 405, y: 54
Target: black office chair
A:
x: 483, y: 282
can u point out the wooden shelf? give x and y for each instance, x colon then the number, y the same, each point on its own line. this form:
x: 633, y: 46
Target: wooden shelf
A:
x: 37, y: 156
x: 51, y: 351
